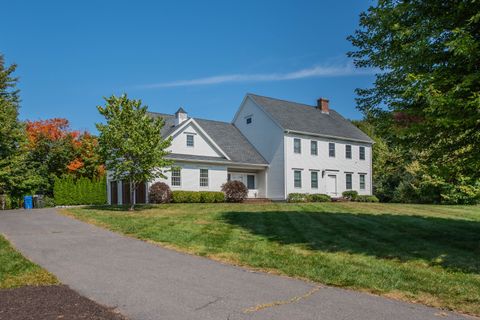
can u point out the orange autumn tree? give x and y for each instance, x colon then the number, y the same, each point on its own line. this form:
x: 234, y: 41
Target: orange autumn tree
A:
x: 87, y: 162
x: 57, y: 150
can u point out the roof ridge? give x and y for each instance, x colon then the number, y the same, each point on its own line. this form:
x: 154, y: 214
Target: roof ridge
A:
x: 224, y: 122
x: 161, y: 113
x: 283, y: 100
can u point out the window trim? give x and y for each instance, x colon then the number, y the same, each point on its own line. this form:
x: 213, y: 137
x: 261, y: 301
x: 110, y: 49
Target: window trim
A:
x: 348, y: 149
x: 207, y: 177
x: 295, y: 179
x: 348, y: 174
x: 193, y: 140
x: 254, y: 182
x: 314, y: 143
x: 311, y: 179
x: 172, y: 177
x: 331, y: 149
x: 299, y: 145
x: 360, y: 152
x: 364, y: 176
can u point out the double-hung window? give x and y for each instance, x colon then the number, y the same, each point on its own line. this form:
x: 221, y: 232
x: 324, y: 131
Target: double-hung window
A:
x: 203, y: 177
x: 297, y: 146
x: 362, y: 153
x: 362, y: 182
x: 297, y: 177
x: 176, y: 177
x: 313, y: 148
x: 348, y: 151
x: 331, y: 150
x: 314, y: 179
x: 190, y: 142
x: 348, y: 181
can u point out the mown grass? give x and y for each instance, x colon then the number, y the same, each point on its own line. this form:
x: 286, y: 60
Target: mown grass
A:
x: 17, y: 271
x: 422, y: 253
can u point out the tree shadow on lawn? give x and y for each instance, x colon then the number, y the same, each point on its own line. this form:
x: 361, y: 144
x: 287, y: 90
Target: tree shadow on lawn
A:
x: 451, y: 244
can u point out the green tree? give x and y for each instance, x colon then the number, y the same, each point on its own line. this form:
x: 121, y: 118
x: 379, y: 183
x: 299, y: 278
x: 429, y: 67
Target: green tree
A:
x: 426, y: 96
x: 131, y: 142
x: 16, y: 176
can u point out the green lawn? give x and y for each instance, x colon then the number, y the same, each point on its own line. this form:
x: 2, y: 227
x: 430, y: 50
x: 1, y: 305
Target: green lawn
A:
x: 423, y: 253
x: 17, y: 271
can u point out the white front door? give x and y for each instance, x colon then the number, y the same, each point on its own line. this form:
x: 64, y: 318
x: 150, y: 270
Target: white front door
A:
x: 332, y: 184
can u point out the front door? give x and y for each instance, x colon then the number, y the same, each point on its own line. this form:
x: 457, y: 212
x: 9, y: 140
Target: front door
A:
x: 332, y: 184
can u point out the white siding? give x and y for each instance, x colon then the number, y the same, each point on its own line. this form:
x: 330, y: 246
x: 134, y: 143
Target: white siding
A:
x: 339, y: 165
x: 202, y: 147
x: 267, y: 138
x: 190, y: 177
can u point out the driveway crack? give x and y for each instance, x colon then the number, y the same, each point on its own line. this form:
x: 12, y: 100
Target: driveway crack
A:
x: 208, y: 303
x: 272, y: 304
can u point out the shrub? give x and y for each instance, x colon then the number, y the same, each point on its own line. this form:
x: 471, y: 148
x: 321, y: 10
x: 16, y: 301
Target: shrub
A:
x: 48, y: 202
x: 350, y: 195
x: 71, y: 191
x: 318, y: 197
x: 363, y: 198
x: 180, y: 196
x: 211, y: 196
x: 235, y: 191
x: 159, y: 193
x: 5, y: 202
x: 297, y: 197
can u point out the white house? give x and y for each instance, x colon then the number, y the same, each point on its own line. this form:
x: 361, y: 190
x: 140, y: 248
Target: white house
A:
x: 275, y: 147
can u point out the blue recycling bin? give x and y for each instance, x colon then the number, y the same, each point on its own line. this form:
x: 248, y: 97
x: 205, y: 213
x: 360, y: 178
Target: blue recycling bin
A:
x: 28, y: 202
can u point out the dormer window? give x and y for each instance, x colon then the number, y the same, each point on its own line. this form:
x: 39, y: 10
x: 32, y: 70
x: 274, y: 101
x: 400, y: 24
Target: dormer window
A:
x: 190, y: 141
x: 248, y: 119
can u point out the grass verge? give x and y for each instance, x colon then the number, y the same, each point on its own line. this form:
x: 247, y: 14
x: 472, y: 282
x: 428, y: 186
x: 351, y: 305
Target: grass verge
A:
x: 17, y: 271
x: 420, y: 253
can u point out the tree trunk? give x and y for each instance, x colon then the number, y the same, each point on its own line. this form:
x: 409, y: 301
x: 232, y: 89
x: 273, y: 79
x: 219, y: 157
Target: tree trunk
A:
x: 133, y: 186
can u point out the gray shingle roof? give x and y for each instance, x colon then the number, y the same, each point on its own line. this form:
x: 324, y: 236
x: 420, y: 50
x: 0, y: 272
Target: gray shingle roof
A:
x: 301, y: 117
x: 224, y: 134
x: 231, y: 141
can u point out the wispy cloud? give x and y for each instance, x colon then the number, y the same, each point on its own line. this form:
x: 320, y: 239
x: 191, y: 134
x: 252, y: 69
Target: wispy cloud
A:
x: 315, y: 71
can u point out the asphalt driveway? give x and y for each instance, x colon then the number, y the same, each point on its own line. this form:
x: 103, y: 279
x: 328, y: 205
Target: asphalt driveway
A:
x: 145, y: 281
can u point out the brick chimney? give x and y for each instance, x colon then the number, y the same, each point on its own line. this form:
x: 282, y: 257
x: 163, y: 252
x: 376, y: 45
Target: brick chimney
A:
x: 322, y: 105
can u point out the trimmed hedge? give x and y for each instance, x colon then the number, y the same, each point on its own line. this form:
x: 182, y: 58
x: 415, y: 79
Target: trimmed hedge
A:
x: 70, y: 191
x: 211, y: 196
x: 362, y: 198
x: 180, y: 196
x: 318, y: 197
x: 297, y: 197
x: 306, y: 197
x: 350, y: 195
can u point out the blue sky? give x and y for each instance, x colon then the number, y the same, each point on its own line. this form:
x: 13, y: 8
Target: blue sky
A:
x: 202, y: 55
